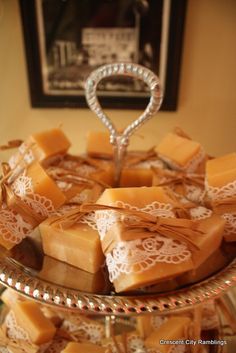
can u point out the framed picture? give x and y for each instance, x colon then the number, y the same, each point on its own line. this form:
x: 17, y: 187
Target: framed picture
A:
x: 66, y: 39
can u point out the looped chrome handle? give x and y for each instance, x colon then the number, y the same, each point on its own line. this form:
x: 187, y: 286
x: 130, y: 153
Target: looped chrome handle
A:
x: 121, y: 140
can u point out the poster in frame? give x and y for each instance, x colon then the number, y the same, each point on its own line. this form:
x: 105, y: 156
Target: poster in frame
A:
x: 66, y: 39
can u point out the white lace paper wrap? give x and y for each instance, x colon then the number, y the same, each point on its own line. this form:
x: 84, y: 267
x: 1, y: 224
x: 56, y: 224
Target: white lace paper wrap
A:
x: 84, y: 170
x: 83, y: 329
x: 217, y: 194
x: 12, y: 226
x: 23, y: 187
x: 14, y: 331
x: 192, y: 164
x: 24, y: 153
x: 230, y: 226
x: 200, y: 212
x: 155, y: 163
x: 134, y: 344
x: 137, y: 256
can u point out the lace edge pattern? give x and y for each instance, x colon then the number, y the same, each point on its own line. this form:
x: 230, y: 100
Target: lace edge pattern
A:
x: 217, y: 194
x: 138, y: 256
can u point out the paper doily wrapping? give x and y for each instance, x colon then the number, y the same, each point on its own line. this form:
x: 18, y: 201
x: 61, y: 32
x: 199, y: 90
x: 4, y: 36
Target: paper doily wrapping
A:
x: 217, y: 194
x: 23, y: 188
x: 82, y: 329
x: 12, y: 225
x: 140, y: 255
x: 14, y: 331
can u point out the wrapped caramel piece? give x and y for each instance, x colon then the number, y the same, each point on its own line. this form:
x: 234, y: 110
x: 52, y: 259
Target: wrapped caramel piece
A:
x: 139, y: 251
x: 221, y: 190
x: 76, y: 347
x: 134, y: 254
x: 74, y: 241
x: 41, y: 147
x: 181, y: 153
x: 215, y: 262
x: 28, y: 196
x: 30, y: 318
x: 37, y: 192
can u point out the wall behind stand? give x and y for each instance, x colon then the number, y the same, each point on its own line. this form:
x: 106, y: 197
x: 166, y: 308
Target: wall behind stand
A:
x: 207, y: 99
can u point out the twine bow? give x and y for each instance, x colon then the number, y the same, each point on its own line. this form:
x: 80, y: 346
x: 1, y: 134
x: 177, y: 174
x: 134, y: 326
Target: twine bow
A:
x: 171, y: 177
x: 69, y: 176
x: 80, y: 160
x: 184, y: 230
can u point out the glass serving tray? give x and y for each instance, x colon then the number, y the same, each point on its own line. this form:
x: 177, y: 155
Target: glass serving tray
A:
x: 27, y: 270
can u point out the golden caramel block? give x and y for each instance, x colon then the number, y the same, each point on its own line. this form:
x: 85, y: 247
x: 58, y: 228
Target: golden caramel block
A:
x: 221, y: 171
x: 136, y: 196
x: 74, y: 347
x: 38, y: 191
x: 173, y: 329
x: 136, y: 177
x: 78, y: 245
x: 178, y: 150
x: 215, y: 262
x: 159, y: 272
x: 65, y: 275
x: 209, y: 242
x: 98, y: 145
x: 43, y: 145
x: 31, y: 319
x: 49, y: 143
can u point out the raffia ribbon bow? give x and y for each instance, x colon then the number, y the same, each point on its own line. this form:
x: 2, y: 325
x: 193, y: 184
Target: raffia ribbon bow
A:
x: 183, y: 230
x: 68, y: 176
x: 171, y: 177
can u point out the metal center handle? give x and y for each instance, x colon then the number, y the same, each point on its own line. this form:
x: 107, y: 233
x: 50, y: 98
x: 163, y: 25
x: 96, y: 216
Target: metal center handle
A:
x: 119, y: 140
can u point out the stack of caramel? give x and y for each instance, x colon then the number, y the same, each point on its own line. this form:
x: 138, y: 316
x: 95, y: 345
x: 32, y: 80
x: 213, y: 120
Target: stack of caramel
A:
x: 168, y: 223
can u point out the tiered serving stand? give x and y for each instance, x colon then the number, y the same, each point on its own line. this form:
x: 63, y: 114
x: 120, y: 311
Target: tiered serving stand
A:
x: 20, y: 268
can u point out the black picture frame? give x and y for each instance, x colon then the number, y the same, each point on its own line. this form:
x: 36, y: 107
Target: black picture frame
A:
x: 40, y: 99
